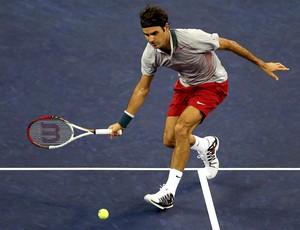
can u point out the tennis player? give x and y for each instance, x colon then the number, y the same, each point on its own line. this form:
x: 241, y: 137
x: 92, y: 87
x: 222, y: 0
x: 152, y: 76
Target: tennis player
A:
x: 201, y: 87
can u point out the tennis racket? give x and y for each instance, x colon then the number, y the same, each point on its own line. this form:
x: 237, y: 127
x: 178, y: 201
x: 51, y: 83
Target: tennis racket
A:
x: 51, y: 132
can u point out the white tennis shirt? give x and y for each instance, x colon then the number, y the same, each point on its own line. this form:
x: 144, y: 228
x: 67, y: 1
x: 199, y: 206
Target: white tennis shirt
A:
x: 192, y: 56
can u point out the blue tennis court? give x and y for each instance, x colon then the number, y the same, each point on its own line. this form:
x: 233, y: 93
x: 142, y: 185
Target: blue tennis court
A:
x: 81, y: 60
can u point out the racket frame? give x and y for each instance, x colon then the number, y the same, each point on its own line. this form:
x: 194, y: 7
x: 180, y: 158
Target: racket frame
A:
x: 86, y: 131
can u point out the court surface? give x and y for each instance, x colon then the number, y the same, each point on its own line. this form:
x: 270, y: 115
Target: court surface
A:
x: 81, y: 60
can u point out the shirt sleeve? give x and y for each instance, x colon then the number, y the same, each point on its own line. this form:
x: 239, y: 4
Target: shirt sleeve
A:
x: 148, y: 66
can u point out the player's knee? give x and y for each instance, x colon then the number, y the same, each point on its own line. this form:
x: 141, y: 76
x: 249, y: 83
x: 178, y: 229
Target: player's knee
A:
x: 181, y: 129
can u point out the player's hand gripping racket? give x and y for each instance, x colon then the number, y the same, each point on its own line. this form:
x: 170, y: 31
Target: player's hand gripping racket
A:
x: 53, y: 132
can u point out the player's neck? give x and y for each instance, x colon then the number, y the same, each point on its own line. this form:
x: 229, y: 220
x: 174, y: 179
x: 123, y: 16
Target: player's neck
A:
x: 167, y: 46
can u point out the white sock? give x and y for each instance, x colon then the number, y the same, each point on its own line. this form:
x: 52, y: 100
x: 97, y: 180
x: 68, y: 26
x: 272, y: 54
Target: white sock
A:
x: 173, y: 180
x: 201, y: 144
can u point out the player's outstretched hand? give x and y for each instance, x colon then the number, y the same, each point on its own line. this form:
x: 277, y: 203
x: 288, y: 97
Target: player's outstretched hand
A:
x: 115, y: 130
x: 271, y: 67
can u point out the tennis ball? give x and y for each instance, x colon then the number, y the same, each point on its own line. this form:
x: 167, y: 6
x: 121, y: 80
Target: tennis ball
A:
x: 103, y: 214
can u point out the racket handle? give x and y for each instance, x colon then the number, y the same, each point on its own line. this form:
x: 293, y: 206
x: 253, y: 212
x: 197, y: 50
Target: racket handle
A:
x: 106, y: 131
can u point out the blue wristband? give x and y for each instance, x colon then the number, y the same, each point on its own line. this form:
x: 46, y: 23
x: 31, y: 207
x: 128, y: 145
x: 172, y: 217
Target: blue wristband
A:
x: 125, y: 119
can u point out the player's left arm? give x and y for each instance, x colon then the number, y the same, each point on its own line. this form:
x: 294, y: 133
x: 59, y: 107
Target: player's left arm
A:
x: 268, y: 67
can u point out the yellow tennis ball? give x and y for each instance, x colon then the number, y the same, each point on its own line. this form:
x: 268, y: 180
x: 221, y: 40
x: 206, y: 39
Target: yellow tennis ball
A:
x: 103, y: 214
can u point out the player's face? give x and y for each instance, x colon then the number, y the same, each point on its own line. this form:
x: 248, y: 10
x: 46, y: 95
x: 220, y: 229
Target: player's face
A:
x: 157, y: 36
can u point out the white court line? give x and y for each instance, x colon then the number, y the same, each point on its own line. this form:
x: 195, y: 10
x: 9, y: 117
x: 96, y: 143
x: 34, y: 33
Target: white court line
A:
x: 135, y: 169
x: 204, y: 183
x: 259, y: 169
x: 208, y: 200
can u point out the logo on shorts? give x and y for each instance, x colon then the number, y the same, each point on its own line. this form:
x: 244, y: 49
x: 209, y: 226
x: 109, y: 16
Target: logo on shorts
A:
x: 200, y: 103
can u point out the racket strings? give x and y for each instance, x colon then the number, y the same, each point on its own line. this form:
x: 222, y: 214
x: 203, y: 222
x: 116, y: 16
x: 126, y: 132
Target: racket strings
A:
x: 50, y: 132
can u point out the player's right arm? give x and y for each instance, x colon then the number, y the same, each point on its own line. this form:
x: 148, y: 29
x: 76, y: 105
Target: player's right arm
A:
x: 139, y: 94
x: 137, y: 99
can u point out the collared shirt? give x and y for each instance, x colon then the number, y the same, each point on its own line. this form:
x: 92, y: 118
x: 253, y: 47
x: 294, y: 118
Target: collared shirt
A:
x: 192, y: 56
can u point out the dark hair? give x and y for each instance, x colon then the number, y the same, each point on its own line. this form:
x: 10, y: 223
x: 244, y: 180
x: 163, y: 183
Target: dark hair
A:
x: 153, y: 16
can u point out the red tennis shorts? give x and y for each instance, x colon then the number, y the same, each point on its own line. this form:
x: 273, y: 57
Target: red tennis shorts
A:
x: 204, y: 97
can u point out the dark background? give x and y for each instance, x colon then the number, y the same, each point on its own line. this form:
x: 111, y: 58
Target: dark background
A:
x: 81, y: 60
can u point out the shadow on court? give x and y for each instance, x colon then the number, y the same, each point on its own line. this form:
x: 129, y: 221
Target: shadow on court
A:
x: 81, y: 60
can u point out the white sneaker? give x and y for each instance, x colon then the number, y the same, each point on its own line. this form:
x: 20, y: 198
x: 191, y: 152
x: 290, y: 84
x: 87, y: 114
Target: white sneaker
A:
x: 162, y: 199
x: 209, y: 157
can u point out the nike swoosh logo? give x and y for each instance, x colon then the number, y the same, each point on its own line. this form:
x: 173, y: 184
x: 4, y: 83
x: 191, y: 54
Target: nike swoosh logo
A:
x: 200, y: 103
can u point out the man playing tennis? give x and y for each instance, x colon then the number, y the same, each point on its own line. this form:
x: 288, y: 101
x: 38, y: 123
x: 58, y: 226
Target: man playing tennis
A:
x: 201, y: 87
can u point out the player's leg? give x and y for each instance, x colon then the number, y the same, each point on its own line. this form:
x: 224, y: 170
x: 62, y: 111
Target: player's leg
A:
x: 207, y: 146
x: 183, y: 126
x: 183, y: 116
x: 206, y: 98
x: 183, y: 129
x: 196, y: 143
x: 201, y: 145
x: 169, y: 132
